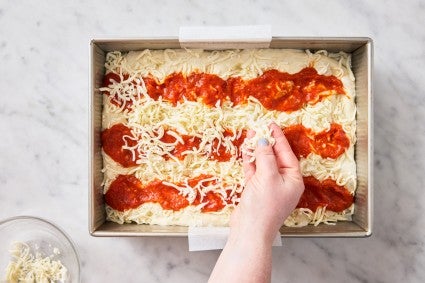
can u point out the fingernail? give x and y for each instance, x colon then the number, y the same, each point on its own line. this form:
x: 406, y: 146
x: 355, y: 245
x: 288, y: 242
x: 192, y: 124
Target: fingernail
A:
x: 263, y: 142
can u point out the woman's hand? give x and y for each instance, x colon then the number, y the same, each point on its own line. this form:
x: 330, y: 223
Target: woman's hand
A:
x: 274, y: 186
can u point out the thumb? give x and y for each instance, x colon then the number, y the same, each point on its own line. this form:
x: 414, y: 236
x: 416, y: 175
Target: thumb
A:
x: 265, y: 158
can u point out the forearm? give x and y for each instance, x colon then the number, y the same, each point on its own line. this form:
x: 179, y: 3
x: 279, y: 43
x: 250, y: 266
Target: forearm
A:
x: 245, y: 258
x: 273, y: 187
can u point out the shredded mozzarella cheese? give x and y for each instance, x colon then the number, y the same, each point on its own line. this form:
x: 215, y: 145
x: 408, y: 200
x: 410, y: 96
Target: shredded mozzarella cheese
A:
x: 28, y: 267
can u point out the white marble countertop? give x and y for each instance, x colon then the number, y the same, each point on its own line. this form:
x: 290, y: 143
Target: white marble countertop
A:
x: 44, y: 66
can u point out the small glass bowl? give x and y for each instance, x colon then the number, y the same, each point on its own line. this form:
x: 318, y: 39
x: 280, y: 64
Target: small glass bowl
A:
x: 41, y: 236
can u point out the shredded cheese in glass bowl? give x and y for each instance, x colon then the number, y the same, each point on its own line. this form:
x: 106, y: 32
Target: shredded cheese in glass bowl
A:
x: 35, y: 250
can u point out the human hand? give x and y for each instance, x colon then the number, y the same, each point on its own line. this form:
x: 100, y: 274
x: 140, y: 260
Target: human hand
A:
x: 274, y: 185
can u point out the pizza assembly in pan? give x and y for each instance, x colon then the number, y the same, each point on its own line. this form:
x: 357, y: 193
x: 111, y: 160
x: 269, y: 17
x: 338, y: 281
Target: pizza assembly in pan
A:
x: 175, y: 121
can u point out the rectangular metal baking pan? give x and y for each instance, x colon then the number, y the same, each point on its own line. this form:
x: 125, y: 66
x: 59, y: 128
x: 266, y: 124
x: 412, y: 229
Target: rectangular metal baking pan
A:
x: 362, y: 59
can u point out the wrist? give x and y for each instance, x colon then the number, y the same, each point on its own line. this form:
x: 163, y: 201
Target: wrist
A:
x: 247, y: 236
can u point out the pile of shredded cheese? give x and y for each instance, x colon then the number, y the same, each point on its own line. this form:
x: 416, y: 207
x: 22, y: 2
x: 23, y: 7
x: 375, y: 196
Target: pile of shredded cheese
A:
x: 28, y: 267
x: 149, y: 119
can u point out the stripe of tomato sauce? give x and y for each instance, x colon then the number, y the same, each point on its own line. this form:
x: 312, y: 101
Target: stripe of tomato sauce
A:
x: 127, y: 192
x: 303, y: 141
x: 275, y: 90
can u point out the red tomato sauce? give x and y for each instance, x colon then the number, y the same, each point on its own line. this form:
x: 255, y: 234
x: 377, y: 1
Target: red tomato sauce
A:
x: 274, y: 89
x: 113, y: 142
x: 324, y: 194
x: 327, y: 144
x: 213, y: 202
x: 331, y: 143
x: 128, y: 192
x: 219, y: 150
x: 290, y: 92
x: 109, y: 79
x: 303, y: 141
x: 189, y: 143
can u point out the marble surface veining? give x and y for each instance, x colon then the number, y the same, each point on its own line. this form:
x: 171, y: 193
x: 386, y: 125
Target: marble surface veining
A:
x: 44, y: 63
